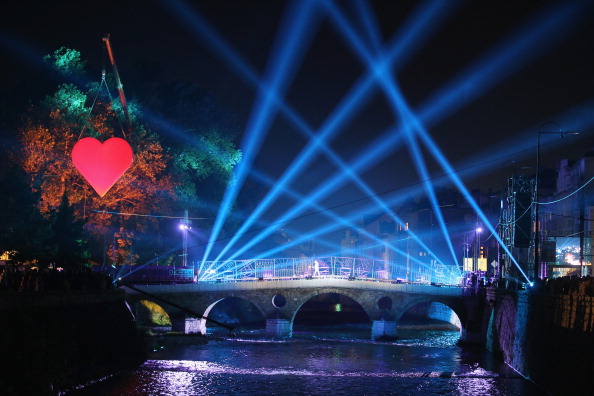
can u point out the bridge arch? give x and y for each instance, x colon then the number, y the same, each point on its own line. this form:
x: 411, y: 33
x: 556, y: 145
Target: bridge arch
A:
x: 435, y: 308
x: 279, y: 301
x: 356, y: 297
x: 208, y: 311
x: 151, y: 314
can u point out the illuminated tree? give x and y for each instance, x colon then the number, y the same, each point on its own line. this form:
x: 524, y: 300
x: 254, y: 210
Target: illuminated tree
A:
x: 167, y: 175
x: 48, y: 135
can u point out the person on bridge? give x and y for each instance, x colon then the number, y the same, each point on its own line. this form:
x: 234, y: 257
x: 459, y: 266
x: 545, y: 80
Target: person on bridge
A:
x: 316, y: 268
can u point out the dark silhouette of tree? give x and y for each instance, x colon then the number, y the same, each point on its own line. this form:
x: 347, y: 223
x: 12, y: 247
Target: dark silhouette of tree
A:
x: 68, y: 239
x: 24, y: 233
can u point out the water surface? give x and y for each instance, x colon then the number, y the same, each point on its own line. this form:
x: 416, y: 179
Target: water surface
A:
x: 318, y: 360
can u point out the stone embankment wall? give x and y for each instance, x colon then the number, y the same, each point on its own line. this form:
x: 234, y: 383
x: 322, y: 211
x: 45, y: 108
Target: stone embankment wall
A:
x: 51, y: 342
x: 548, y: 338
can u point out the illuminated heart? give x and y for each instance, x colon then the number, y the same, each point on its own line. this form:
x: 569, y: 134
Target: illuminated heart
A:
x: 102, y: 164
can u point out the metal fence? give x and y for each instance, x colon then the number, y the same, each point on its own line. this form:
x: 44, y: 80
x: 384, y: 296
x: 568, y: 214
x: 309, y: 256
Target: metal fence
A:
x: 292, y: 268
x: 342, y: 267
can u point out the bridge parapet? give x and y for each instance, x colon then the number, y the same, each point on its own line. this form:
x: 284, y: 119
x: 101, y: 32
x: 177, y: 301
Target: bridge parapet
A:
x: 288, y: 268
x: 417, y: 288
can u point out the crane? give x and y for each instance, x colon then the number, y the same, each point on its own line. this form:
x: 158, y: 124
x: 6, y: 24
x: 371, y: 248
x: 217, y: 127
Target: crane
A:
x: 118, y: 82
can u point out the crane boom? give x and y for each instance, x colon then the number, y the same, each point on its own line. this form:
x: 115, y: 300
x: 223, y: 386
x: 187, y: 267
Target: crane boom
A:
x: 118, y: 82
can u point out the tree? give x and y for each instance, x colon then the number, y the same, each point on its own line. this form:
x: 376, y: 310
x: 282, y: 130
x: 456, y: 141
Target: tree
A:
x: 24, y: 232
x: 48, y: 134
x: 67, y: 240
x: 199, y: 136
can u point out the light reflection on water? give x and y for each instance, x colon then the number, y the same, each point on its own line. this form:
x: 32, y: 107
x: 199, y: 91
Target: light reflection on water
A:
x: 337, y: 362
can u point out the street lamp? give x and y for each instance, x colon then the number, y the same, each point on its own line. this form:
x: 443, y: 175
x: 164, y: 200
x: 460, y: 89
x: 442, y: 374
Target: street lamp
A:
x: 184, y: 226
x: 477, y: 247
x: 561, y: 133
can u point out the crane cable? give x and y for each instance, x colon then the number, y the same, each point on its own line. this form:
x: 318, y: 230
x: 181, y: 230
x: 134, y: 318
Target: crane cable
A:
x: 103, y: 83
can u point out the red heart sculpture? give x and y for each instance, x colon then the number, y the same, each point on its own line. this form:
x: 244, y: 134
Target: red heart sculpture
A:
x: 102, y: 164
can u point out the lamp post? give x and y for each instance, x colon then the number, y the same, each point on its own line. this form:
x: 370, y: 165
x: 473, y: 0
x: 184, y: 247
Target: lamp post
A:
x: 561, y: 133
x: 184, y: 226
x: 477, y: 248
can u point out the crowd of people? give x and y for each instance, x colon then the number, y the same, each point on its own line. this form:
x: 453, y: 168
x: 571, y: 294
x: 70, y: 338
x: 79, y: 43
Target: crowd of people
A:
x: 28, y: 279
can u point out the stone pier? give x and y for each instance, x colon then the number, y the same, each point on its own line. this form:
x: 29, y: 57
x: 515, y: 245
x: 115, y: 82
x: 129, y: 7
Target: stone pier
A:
x: 383, y: 328
x: 279, y: 328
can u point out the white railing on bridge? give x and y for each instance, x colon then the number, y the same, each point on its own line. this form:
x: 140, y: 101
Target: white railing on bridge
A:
x: 308, y: 267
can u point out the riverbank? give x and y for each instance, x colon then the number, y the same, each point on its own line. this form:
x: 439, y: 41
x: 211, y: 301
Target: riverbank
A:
x: 52, y: 342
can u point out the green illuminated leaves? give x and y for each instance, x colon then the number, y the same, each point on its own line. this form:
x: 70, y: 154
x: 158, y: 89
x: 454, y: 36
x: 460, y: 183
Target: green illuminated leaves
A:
x: 66, y: 61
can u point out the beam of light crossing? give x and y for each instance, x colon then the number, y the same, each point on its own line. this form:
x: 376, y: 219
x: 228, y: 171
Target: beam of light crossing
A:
x: 401, y: 111
x: 328, y: 228
x: 352, y: 38
x: 289, y: 49
x: 398, y: 197
x: 341, y: 221
x: 341, y: 177
x: 485, y: 221
x: 348, y: 106
x: 462, y: 188
x: 394, y: 199
x: 327, y: 188
x: 205, y: 33
x: 423, y: 20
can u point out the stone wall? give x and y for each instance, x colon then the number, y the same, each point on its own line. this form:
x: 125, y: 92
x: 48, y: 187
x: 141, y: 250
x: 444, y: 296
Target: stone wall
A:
x: 548, y: 338
x: 50, y: 342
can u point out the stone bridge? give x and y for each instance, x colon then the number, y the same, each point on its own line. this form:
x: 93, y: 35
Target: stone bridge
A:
x: 279, y: 301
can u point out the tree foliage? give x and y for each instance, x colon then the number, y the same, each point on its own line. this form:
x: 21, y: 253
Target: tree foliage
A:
x: 161, y: 180
x: 67, y: 239
x: 193, y: 120
x: 66, y: 61
x: 24, y: 232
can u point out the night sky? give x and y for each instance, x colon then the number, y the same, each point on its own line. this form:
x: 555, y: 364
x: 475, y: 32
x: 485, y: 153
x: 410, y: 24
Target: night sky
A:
x: 521, y: 63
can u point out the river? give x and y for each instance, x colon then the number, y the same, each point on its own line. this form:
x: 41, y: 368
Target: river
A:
x: 337, y: 360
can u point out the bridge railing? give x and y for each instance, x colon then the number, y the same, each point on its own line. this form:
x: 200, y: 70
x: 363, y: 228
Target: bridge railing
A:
x: 294, y: 268
x: 343, y: 267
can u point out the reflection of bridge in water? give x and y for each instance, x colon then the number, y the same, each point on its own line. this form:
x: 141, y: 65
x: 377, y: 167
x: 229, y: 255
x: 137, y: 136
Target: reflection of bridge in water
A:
x: 279, y: 298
